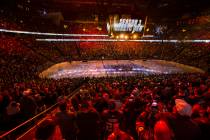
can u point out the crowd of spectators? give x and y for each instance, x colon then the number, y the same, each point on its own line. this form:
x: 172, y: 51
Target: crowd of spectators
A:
x: 23, y: 58
x: 159, y: 107
x: 18, y: 61
x: 194, y: 54
x: 156, y: 107
x: 23, y: 100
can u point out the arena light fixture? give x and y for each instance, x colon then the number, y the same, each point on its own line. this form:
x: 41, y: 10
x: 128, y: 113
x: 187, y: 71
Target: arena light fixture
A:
x: 51, y: 34
x: 135, y: 36
x: 126, y: 37
x: 122, y: 36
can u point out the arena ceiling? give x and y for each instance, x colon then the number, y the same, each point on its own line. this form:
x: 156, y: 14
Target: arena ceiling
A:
x: 153, y: 8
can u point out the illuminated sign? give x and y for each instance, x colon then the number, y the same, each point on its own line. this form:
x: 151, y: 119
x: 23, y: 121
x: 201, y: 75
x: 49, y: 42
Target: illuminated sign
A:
x: 128, y: 25
x: 124, y: 25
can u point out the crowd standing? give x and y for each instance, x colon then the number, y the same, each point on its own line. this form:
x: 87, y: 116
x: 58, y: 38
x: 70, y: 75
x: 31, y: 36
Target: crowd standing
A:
x: 157, y: 107
x: 23, y: 100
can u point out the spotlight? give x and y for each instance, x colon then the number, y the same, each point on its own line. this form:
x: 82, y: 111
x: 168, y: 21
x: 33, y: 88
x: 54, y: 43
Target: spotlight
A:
x: 135, y: 36
x: 126, y: 36
x: 122, y: 36
x: 117, y: 37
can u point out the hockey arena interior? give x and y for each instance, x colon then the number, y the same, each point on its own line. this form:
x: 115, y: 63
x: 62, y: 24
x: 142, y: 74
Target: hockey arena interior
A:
x: 104, y: 70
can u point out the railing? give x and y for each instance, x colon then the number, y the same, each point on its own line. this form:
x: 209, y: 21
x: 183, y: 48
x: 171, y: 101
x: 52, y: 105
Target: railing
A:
x: 32, y: 122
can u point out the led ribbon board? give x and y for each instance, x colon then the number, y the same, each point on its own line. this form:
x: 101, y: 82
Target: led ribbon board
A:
x: 121, y: 40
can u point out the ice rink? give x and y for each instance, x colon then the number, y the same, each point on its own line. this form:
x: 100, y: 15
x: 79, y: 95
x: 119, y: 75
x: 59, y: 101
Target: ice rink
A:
x: 105, y: 68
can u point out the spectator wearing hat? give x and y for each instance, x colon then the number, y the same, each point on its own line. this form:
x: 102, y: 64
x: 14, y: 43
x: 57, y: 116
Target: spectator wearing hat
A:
x: 182, y: 125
